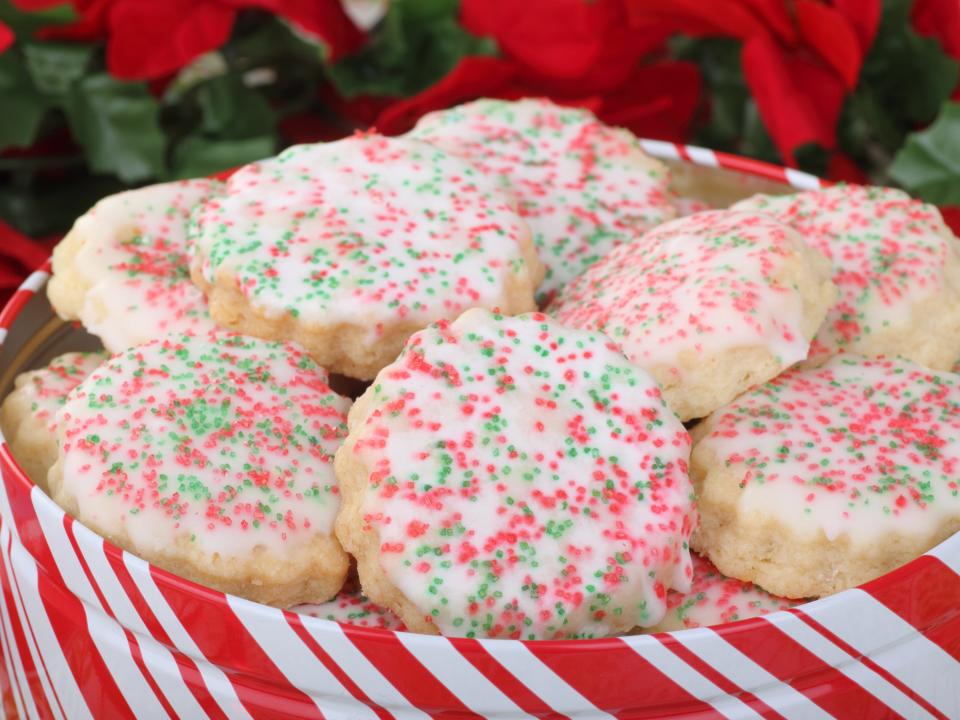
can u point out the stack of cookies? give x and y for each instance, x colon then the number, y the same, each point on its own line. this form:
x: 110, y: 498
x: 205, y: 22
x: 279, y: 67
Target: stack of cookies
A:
x: 494, y: 379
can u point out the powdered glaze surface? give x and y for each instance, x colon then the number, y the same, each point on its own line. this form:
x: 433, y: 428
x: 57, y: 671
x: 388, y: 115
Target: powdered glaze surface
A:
x: 715, y: 599
x: 352, y: 608
x: 134, y: 258
x: 367, y: 230
x: 889, y: 253
x: 46, y: 389
x: 857, y: 448
x: 222, y: 439
x: 583, y: 186
x: 526, y: 481
x: 698, y: 286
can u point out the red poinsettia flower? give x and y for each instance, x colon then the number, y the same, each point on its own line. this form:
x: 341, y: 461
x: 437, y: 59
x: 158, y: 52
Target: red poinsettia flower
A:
x: 800, y: 59
x: 575, y: 53
x: 148, y: 39
x: 6, y: 37
x: 567, y: 47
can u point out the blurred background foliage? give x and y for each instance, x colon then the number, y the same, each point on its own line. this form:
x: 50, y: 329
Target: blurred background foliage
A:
x: 99, y: 95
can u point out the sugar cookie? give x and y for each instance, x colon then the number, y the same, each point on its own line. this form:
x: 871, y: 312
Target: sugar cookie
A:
x: 509, y: 477
x: 715, y: 599
x: 895, y: 263
x: 584, y: 187
x: 123, y: 270
x: 824, y: 478
x: 27, y: 416
x: 709, y: 304
x: 349, y: 247
x: 211, y: 456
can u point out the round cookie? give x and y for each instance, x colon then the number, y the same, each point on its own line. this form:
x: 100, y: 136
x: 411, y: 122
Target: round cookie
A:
x: 349, y: 247
x: 828, y: 477
x: 715, y: 599
x: 896, y: 266
x: 709, y: 304
x: 123, y: 270
x: 27, y: 416
x: 509, y: 477
x: 352, y: 608
x: 584, y: 187
x: 211, y: 456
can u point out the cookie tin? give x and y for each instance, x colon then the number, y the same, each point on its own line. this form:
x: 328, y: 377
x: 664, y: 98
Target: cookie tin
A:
x: 90, y: 631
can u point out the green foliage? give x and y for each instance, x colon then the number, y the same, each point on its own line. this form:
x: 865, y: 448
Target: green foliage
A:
x: 196, y: 155
x: 729, y: 118
x: 54, y: 67
x: 118, y: 126
x: 22, y: 106
x: 904, y: 81
x: 226, y: 108
x: 928, y: 165
x: 906, y: 76
x: 413, y: 46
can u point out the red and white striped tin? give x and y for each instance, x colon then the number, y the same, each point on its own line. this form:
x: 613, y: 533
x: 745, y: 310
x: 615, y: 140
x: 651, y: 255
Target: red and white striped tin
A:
x: 90, y: 631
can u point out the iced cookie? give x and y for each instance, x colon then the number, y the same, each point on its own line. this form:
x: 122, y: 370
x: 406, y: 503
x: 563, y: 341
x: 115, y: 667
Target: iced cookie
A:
x: 827, y: 477
x: 352, y: 608
x: 583, y: 186
x: 349, y: 247
x: 509, y: 477
x: 715, y: 599
x: 27, y: 417
x: 709, y: 304
x: 211, y: 456
x: 123, y: 270
x: 895, y: 263
x: 689, y: 205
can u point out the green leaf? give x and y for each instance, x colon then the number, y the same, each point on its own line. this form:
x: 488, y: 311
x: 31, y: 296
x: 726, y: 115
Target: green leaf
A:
x: 928, y: 165
x: 411, y: 48
x: 26, y: 23
x: 20, y: 120
x: 22, y: 109
x: 908, y: 75
x: 732, y: 122
x: 233, y: 111
x: 812, y: 158
x: 54, y: 67
x: 196, y: 156
x: 756, y: 141
x: 117, y: 124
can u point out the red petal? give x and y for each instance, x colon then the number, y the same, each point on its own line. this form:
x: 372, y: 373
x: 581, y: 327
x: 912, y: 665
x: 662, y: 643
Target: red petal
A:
x: 951, y: 216
x: 150, y: 39
x: 695, y: 17
x: 556, y: 38
x: 623, y: 47
x: 30, y: 5
x: 19, y: 256
x: 26, y: 252
x: 864, y: 16
x: 659, y: 101
x: 92, y: 24
x: 798, y: 99
x: 473, y: 77
x: 939, y: 19
x: 6, y: 37
x: 828, y: 32
x: 775, y: 16
x: 323, y: 19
